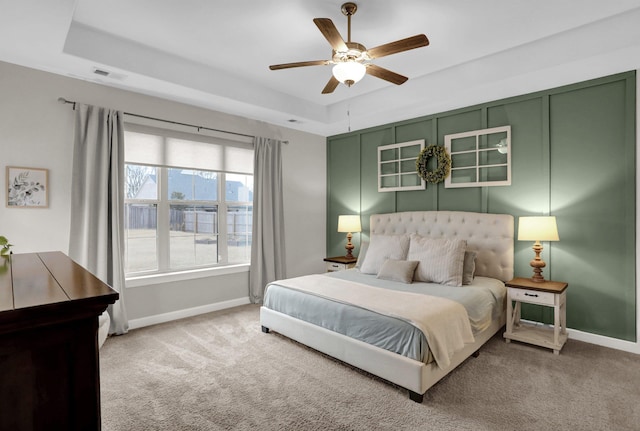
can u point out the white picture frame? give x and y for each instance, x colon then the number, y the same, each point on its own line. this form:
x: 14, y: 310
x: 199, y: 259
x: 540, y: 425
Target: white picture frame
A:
x: 398, y: 172
x: 492, y: 144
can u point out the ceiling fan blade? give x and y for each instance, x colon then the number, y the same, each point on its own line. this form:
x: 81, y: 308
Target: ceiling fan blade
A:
x: 299, y: 64
x: 330, y: 32
x: 387, y: 75
x: 331, y: 85
x: 398, y: 46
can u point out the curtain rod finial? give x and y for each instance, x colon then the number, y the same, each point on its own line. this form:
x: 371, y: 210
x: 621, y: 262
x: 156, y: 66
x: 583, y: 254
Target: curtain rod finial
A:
x: 62, y: 100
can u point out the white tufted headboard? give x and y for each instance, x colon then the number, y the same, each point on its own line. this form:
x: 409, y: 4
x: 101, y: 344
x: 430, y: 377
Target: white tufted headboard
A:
x: 490, y: 235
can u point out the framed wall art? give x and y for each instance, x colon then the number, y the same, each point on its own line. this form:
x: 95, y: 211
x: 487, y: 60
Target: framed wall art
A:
x: 27, y: 187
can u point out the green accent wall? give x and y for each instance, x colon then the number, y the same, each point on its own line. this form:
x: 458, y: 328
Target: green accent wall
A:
x: 573, y: 156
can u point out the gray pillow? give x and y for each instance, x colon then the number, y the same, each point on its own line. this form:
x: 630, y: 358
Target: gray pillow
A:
x: 469, y: 267
x: 398, y: 270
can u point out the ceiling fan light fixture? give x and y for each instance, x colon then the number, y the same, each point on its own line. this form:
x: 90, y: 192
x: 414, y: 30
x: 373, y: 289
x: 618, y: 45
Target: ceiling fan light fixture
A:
x: 349, y: 72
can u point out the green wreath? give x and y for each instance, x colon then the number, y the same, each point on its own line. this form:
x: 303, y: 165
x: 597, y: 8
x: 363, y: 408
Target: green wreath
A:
x: 443, y: 166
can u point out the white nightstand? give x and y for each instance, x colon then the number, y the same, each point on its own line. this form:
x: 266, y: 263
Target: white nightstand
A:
x: 547, y: 293
x: 340, y: 263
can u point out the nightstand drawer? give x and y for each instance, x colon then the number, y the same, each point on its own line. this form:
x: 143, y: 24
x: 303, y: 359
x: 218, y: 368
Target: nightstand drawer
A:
x: 531, y: 296
x: 340, y: 263
x: 332, y: 266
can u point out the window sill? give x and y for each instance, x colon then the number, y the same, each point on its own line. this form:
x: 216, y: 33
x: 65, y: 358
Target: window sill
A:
x: 146, y: 280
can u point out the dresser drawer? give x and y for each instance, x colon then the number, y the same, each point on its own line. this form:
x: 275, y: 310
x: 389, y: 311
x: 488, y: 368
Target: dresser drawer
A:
x: 532, y: 296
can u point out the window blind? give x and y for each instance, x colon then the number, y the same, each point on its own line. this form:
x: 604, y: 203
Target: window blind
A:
x: 161, y: 147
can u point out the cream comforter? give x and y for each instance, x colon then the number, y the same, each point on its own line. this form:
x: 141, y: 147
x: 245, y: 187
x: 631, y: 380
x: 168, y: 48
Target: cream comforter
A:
x: 444, y: 322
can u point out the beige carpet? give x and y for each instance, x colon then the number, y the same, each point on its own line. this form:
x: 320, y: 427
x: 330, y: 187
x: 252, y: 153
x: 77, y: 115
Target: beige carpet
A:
x: 220, y: 372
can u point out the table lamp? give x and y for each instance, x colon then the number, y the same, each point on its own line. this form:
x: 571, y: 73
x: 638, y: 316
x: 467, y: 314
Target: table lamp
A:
x: 349, y: 224
x: 537, y: 229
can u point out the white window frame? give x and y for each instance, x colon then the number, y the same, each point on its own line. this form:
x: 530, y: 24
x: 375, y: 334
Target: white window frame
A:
x: 399, y: 162
x: 163, y: 202
x: 478, y: 134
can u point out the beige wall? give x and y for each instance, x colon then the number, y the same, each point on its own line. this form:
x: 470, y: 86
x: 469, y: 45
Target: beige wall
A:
x: 37, y: 131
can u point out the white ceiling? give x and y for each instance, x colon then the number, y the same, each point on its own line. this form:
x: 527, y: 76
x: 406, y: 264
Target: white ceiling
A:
x: 215, y: 53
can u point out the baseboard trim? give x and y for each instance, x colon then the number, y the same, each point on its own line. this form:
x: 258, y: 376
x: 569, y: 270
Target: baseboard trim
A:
x: 601, y: 340
x: 187, y: 312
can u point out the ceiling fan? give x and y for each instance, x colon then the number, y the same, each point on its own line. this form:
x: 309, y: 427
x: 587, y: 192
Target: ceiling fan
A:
x: 351, y: 60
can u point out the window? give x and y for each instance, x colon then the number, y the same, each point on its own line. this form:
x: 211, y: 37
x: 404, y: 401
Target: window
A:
x: 479, y: 158
x: 397, y: 167
x: 188, y: 201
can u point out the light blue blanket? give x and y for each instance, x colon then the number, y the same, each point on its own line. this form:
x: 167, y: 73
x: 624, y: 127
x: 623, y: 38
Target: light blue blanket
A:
x: 483, y: 300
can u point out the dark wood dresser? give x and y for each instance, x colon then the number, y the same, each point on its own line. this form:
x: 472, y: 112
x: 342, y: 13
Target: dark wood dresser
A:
x: 49, y: 369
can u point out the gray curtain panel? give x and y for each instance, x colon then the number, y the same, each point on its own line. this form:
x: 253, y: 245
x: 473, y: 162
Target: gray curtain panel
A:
x: 267, y: 248
x: 97, y: 201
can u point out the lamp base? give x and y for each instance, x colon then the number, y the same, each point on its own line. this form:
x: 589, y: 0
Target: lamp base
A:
x: 537, y: 276
x: 349, y: 246
x: 537, y: 264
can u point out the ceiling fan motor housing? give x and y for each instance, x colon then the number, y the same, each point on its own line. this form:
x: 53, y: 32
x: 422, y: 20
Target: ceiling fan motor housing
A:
x: 356, y: 52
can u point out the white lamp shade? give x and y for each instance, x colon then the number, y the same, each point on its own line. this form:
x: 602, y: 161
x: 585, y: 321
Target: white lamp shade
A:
x: 538, y: 229
x: 349, y: 223
x: 349, y: 71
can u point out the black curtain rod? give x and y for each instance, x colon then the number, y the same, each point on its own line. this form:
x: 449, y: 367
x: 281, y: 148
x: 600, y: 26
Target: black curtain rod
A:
x: 64, y: 101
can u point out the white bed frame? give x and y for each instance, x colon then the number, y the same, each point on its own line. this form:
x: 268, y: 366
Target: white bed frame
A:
x: 490, y: 235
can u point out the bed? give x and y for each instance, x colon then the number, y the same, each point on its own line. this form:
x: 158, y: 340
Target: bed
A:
x: 409, y: 332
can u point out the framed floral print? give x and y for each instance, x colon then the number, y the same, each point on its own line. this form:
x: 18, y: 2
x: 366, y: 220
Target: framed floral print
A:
x: 27, y: 187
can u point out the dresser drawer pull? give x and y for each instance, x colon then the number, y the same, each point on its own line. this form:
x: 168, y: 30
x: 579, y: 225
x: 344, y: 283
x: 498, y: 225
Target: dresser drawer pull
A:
x: 535, y: 295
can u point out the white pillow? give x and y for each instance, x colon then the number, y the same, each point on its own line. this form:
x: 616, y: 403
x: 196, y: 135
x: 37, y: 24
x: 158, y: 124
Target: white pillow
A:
x: 381, y: 248
x: 440, y: 259
x: 364, y: 246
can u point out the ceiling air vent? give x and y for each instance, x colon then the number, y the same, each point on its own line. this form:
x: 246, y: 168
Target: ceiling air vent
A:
x: 101, y: 72
x: 108, y: 74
